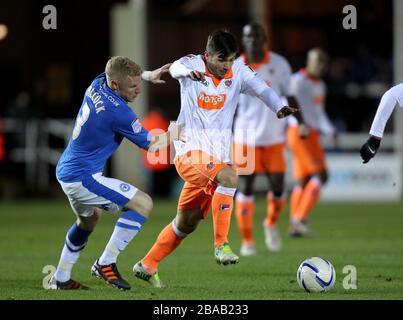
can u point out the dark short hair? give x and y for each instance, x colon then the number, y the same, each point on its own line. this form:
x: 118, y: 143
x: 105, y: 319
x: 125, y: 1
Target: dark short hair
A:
x: 222, y: 42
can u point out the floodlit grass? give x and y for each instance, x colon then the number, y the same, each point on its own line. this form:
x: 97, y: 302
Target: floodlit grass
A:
x: 368, y: 236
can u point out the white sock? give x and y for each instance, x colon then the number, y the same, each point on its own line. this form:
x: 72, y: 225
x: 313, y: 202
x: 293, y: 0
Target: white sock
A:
x: 126, y: 228
x: 67, y: 260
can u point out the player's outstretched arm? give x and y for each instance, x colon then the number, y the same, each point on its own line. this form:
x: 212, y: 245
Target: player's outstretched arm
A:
x: 389, y: 100
x: 163, y: 140
x: 155, y: 75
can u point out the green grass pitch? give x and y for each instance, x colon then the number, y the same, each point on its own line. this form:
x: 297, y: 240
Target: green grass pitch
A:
x: 368, y: 236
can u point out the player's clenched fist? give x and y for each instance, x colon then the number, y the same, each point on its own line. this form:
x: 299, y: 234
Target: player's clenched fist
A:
x: 369, y: 149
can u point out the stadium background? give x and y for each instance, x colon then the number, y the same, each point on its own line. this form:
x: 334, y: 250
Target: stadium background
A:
x: 44, y: 74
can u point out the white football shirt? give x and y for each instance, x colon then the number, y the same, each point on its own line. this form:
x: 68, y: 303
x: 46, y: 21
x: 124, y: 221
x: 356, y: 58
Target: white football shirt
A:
x: 311, y: 95
x: 208, y: 107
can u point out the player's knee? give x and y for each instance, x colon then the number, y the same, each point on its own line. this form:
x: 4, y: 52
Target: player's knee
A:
x: 227, y: 178
x: 188, y: 221
x: 89, y: 223
x: 186, y: 226
x: 141, y: 203
x: 146, y: 205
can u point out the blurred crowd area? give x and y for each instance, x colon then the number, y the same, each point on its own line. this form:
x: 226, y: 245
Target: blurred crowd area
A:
x: 44, y: 73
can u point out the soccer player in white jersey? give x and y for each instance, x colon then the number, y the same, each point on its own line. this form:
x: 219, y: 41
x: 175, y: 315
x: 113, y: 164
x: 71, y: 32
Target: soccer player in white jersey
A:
x: 390, y: 99
x: 259, y: 140
x: 103, y: 121
x: 309, y: 164
x: 210, y: 88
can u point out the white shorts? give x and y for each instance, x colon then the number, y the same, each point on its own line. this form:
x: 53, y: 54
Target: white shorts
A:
x: 97, y: 191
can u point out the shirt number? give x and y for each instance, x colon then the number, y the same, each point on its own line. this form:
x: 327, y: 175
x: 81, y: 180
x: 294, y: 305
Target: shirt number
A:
x: 81, y: 120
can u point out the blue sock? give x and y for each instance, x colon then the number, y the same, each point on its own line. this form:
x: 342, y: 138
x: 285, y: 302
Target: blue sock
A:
x: 76, y: 240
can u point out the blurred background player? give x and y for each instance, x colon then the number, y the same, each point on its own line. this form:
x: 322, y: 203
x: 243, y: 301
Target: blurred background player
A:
x: 210, y: 87
x: 259, y: 138
x: 309, y: 165
x: 104, y: 119
x: 390, y: 99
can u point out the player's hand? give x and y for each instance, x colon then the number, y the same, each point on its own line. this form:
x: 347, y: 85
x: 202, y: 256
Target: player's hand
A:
x: 197, y: 75
x: 155, y: 76
x: 286, y: 111
x: 369, y: 149
x: 303, y: 130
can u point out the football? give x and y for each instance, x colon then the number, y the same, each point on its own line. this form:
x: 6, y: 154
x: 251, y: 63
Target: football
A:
x: 316, y: 275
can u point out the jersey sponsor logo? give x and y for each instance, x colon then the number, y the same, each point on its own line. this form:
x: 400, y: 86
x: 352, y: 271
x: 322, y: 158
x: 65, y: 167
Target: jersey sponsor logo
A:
x: 124, y: 187
x: 136, y: 126
x: 211, y: 102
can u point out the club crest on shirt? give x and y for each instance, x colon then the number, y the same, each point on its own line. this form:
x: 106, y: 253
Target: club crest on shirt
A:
x: 228, y: 83
x: 124, y: 187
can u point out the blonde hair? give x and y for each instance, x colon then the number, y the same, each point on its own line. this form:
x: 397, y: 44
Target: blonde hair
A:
x: 119, y: 68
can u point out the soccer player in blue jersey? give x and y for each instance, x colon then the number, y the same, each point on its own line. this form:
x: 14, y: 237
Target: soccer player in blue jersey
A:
x: 102, y: 122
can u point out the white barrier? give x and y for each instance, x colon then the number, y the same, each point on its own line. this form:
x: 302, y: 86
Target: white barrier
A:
x: 350, y: 180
